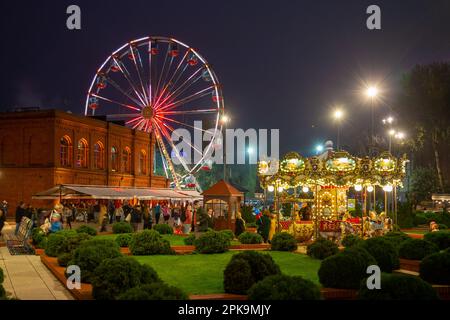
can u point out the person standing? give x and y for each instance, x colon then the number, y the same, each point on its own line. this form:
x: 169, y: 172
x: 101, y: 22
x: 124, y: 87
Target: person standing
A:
x: 96, y: 211
x: 157, y: 211
x: 119, y: 213
x: 239, y: 225
x: 147, y: 217
x: 136, y: 217
x: 2, y: 220
x: 188, y: 222
x: 20, y: 213
x: 67, y: 213
x: 166, y: 213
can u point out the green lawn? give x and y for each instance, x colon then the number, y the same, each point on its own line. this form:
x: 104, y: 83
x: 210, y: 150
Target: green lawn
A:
x: 203, y: 273
x: 174, y: 240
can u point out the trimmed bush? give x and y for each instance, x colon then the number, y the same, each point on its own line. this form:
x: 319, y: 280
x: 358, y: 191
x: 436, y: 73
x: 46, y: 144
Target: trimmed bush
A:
x: 416, y: 249
x: 435, y: 268
x: 321, y: 249
x: 396, y: 238
x: 228, y: 233
x: 123, y: 239
x: 346, y: 269
x: 240, y: 276
x: 283, y: 287
x: 122, y: 227
x: 442, y: 226
x: 87, y: 229
x: 149, y: 242
x: 398, y: 287
x: 64, y: 259
x: 64, y: 241
x: 115, y: 276
x: 283, y: 241
x: 439, y: 238
x: 250, y: 238
x: 91, y: 253
x: 39, y: 238
x: 212, y: 242
x: 153, y: 291
x: 189, y: 240
x: 384, y: 252
x: 163, y: 228
x: 351, y: 240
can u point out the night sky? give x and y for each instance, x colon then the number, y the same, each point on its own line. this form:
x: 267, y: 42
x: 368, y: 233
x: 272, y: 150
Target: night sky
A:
x: 282, y: 64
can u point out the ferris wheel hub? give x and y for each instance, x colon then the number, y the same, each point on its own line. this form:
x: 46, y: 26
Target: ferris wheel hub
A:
x: 147, y: 112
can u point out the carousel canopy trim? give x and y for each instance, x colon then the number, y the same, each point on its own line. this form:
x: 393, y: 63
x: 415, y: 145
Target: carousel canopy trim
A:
x: 68, y: 191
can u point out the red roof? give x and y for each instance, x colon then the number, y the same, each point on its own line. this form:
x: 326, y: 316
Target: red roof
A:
x: 222, y: 188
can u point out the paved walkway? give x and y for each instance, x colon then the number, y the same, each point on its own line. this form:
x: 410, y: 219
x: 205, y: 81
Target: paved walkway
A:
x: 27, y: 278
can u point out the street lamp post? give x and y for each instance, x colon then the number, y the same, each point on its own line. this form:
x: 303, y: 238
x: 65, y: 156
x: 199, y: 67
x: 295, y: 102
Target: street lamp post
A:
x: 372, y: 93
x: 337, y: 115
x: 225, y: 119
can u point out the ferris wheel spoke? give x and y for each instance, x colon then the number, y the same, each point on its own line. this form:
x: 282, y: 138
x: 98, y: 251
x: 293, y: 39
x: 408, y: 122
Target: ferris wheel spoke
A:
x: 150, y: 97
x: 163, y: 149
x: 173, y: 131
x: 162, y: 72
x: 117, y: 87
x: 190, y: 98
x: 188, y: 82
x: 181, y: 123
x: 184, y: 112
x: 115, y: 102
x: 123, y: 69
x: 144, y: 92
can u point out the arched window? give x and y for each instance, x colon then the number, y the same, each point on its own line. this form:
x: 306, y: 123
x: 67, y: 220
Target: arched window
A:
x: 65, y: 151
x: 114, y: 159
x: 99, y: 156
x: 82, y: 153
x: 126, y: 157
x: 142, y: 162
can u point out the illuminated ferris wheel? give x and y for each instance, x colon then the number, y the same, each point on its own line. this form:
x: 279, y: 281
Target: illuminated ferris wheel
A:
x: 158, y: 85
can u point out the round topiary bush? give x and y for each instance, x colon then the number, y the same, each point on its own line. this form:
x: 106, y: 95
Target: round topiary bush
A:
x: 189, y: 240
x: 283, y: 287
x: 435, y: 268
x: 283, y: 241
x: 321, y: 249
x: 64, y: 259
x: 122, y: 227
x: 163, y: 228
x: 396, y: 238
x: 87, y: 229
x: 123, y: 239
x: 416, y: 249
x: 443, y: 226
x: 39, y: 238
x: 91, y: 253
x: 398, y: 287
x: 439, y: 238
x: 250, y: 238
x: 346, y: 269
x: 240, y: 276
x: 384, y: 252
x: 64, y: 241
x: 149, y: 242
x: 115, y: 276
x: 351, y: 240
x: 154, y: 291
x: 228, y: 233
x: 212, y: 242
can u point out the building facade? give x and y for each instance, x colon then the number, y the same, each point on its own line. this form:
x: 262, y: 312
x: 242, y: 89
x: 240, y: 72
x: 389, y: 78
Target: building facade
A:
x: 40, y: 149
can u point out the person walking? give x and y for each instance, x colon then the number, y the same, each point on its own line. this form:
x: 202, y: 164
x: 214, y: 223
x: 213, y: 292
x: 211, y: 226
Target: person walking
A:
x: 136, y: 217
x: 147, y: 217
x: 96, y: 211
x: 119, y: 213
x: 2, y: 220
x: 166, y: 213
x: 67, y: 213
x: 240, y: 224
x: 20, y: 213
x: 157, y: 212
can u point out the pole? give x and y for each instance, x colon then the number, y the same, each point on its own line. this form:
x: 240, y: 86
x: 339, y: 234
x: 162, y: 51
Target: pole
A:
x: 224, y: 150
x: 386, y: 209
x: 371, y: 128
x: 374, y: 198
x: 338, y: 134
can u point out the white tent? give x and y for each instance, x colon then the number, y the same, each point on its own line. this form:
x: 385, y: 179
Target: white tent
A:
x: 73, y: 191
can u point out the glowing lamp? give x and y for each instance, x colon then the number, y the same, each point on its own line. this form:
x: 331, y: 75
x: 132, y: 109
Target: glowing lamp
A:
x: 280, y: 189
x: 358, y: 187
x: 372, y: 92
x: 387, y: 188
x: 270, y: 188
x: 369, y: 189
x: 305, y: 189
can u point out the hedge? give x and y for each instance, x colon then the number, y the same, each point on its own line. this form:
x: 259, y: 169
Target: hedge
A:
x: 321, y: 249
x: 228, y: 233
x: 398, y: 287
x: 189, y: 240
x: 439, y: 238
x: 123, y: 239
x: 351, y: 240
x: 435, y: 268
x: 416, y: 249
x: 122, y: 227
x: 212, y: 242
x: 64, y: 241
x: 149, y: 242
x: 87, y: 229
x: 153, y: 291
x: 284, y: 287
x: 163, y: 228
x: 250, y: 238
x: 384, y: 252
x: 283, y: 241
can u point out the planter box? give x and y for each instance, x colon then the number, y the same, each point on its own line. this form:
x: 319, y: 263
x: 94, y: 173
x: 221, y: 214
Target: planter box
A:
x: 339, y: 294
x: 443, y: 291
x: 410, y: 265
x: 39, y: 252
x: 251, y: 229
x: 256, y: 246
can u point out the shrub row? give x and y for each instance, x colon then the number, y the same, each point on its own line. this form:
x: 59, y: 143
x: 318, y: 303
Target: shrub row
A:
x: 321, y: 249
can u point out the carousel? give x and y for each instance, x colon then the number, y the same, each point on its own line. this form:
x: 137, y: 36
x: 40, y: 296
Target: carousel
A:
x: 317, y: 191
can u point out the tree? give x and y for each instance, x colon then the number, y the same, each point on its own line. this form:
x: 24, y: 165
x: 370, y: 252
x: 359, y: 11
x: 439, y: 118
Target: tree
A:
x: 424, y: 182
x: 425, y: 104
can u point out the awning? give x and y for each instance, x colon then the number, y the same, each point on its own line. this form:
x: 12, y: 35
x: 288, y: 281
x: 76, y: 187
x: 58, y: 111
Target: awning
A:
x: 70, y: 191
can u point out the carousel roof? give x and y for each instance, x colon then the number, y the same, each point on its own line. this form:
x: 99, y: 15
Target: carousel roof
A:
x: 222, y: 188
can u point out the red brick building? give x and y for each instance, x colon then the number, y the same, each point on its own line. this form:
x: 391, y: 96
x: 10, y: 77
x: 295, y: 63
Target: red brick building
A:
x: 40, y: 149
